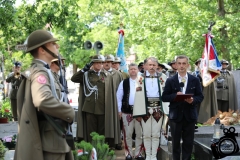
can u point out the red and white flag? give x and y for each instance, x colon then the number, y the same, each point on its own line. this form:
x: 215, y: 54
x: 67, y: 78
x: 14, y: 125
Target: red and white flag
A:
x: 210, y: 64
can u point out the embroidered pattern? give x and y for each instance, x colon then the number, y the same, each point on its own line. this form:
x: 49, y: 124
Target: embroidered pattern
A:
x: 129, y: 118
x: 145, y: 118
x: 161, y: 80
x: 157, y: 114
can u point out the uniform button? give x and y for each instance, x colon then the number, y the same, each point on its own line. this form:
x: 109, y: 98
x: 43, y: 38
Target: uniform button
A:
x: 27, y: 121
x: 68, y: 118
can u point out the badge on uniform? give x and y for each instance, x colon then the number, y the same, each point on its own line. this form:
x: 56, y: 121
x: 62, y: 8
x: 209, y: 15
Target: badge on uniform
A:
x: 42, y: 79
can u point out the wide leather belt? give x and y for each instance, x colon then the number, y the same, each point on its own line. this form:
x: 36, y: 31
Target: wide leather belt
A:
x: 153, y: 102
x: 222, y: 87
x: 15, y: 87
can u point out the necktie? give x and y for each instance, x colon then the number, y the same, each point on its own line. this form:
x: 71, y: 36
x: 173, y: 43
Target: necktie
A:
x: 47, y: 66
x: 183, y: 79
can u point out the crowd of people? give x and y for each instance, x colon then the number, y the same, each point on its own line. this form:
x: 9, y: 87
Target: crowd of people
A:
x: 139, y: 105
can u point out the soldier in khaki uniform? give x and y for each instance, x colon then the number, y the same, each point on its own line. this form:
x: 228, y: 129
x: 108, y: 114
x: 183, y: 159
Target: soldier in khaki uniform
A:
x: 39, y: 94
x: 173, y: 71
x: 116, y: 65
x: 117, y: 78
x: 15, y: 79
x: 96, y: 111
x: 226, y: 89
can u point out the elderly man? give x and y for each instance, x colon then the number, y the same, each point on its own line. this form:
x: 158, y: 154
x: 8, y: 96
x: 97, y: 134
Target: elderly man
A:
x: 148, y: 106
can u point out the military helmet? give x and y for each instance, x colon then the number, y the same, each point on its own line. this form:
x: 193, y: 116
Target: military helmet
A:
x: 223, y: 61
x: 98, y: 58
x: 109, y: 58
x: 39, y: 38
x: 199, y: 60
x: 117, y: 60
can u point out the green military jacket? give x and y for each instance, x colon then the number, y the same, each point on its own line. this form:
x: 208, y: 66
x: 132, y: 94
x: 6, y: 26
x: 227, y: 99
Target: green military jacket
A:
x: 15, y: 81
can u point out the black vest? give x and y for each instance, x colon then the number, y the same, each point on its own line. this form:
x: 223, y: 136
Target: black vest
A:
x: 125, y: 101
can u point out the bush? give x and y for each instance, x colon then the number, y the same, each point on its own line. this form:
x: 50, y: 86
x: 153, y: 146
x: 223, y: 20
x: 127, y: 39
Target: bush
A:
x: 85, y: 150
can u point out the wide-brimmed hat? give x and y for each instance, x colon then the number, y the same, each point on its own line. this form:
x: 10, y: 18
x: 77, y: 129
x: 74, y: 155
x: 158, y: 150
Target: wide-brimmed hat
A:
x: 223, y: 61
x: 199, y: 60
x: 38, y: 38
x: 117, y: 60
x: 98, y: 58
x: 161, y: 65
x: 109, y: 58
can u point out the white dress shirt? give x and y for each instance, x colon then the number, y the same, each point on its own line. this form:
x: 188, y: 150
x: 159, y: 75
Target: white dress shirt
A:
x: 185, y: 83
x: 152, y: 89
x: 131, y: 94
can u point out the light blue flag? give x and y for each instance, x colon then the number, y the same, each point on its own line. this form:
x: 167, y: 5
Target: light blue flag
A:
x: 120, y: 51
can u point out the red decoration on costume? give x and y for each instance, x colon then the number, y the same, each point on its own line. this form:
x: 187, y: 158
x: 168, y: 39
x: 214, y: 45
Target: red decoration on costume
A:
x: 129, y: 118
x: 121, y: 32
x: 42, y: 79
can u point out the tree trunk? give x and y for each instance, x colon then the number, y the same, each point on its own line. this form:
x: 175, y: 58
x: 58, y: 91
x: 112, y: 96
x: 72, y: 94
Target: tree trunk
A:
x: 223, y: 32
x: 74, y: 68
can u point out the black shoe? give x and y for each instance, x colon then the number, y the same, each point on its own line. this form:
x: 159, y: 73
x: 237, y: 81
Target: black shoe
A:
x: 118, y: 147
x: 140, y: 158
x: 129, y: 157
x: 196, y: 127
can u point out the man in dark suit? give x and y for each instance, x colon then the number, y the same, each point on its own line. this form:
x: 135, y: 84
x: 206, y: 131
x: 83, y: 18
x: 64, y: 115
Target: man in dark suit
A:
x: 182, y: 114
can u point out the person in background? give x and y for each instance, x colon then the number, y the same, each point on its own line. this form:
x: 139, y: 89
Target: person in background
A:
x: 226, y: 89
x: 116, y: 65
x: 125, y: 96
x: 15, y: 79
x: 208, y: 107
x: 97, y: 111
x: 182, y: 114
x: 117, y: 78
x: 173, y: 71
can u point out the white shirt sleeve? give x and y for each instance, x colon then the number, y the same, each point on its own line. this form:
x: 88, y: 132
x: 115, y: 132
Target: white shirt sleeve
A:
x: 120, y: 96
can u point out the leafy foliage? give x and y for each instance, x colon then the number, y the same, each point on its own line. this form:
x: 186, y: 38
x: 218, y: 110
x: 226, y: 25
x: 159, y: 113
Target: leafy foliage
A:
x: 158, y: 28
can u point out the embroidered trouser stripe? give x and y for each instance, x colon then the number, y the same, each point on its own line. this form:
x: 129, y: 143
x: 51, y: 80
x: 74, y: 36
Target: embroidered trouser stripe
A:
x: 129, y: 124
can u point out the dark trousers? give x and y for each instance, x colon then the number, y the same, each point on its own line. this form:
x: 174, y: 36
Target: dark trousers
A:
x: 95, y: 123
x: 14, y: 109
x: 184, y: 130
x: 223, y: 105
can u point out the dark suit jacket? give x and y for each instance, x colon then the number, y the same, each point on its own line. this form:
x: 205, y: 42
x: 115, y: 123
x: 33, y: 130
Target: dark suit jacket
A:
x: 178, y: 110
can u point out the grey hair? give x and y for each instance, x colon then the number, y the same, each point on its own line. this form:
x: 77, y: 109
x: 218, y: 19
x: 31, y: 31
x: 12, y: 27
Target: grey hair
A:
x: 152, y: 59
x: 133, y: 65
x: 182, y: 57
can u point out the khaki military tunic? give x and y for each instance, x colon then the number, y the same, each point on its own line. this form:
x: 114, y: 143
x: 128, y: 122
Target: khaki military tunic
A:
x: 15, y: 82
x: 38, y: 137
x: 226, y: 91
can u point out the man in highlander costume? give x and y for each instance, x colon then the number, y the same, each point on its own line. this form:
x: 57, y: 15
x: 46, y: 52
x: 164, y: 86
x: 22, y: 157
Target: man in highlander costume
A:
x: 97, y: 110
x: 148, y: 106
